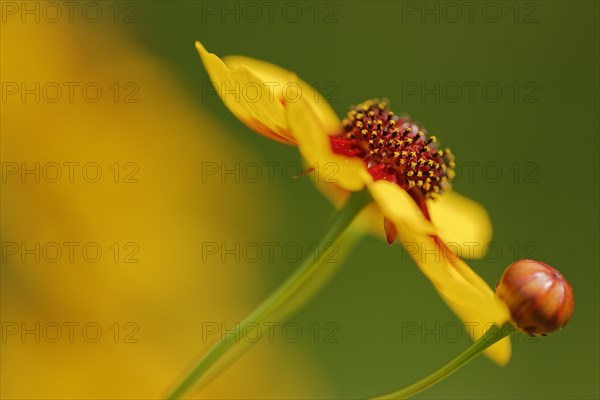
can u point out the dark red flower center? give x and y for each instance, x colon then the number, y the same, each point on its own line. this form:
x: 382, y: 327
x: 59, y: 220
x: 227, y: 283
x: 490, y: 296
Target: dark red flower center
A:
x: 394, y: 149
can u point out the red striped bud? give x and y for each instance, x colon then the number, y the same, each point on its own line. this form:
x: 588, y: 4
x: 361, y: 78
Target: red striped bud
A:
x: 539, y: 298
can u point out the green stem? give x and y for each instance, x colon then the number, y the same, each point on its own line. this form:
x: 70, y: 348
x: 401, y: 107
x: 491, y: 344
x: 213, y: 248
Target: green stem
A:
x: 493, y: 335
x: 341, y: 221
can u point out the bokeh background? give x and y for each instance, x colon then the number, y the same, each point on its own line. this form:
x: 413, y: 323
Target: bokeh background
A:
x: 528, y: 152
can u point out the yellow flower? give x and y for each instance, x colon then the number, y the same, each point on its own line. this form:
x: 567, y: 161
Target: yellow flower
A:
x: 392, y: 157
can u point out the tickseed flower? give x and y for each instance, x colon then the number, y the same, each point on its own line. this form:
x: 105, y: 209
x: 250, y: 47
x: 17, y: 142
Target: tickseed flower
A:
x: 408, y: 176
x: 539, y: 298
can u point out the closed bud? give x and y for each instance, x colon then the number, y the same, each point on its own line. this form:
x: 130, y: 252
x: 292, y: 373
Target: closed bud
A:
x: 539, y: 298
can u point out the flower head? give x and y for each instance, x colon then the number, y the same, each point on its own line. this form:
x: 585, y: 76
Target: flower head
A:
x: 539, y: 298
x: 401, y: 166
x: 394, y: 148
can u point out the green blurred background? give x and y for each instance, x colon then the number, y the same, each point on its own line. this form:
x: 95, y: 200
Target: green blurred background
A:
x: 541, y: 133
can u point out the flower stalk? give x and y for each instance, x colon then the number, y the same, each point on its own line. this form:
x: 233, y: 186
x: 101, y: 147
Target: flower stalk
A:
x: 341, y: 221
x: 492, y: 335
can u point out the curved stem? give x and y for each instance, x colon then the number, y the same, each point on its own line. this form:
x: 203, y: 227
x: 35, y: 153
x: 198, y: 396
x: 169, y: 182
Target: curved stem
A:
x: 342, y: 219
x: 492, y: 335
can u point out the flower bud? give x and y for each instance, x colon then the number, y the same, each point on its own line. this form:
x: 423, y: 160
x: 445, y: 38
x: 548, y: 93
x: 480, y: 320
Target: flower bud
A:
x: 539, y: 298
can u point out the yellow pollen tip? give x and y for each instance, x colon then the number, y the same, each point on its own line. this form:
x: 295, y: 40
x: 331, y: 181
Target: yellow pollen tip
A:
x: 403, y: 147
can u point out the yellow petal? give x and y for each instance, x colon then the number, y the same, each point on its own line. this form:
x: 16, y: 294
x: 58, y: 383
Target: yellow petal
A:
x: 477, y: 324
x: 313, y: 143
x: 463, y: 224
x: 279, y: 79
x: 247, y: 97
x: 461, y: 288
x: 399, y: 207
x: 256, y: 92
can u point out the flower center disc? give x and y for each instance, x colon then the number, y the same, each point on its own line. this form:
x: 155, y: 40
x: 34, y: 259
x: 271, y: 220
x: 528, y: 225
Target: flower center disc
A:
x: 394, y: 148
